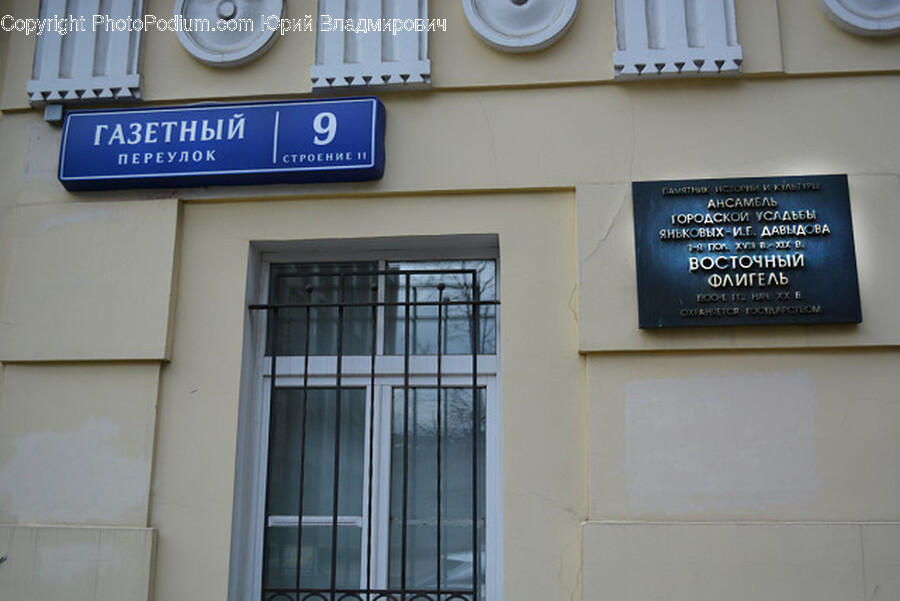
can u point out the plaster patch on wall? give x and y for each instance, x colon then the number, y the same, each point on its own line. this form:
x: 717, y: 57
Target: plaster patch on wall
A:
x: 742, y: 441
x: 73, y: 477
x: 64, y: 219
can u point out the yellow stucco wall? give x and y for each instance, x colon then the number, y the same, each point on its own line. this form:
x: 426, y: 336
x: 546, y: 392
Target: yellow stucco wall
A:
x: 542, y: 374
x: 107, y: 312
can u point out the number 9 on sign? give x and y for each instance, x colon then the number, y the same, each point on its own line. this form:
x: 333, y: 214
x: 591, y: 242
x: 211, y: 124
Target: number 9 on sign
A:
x: 325, y: 124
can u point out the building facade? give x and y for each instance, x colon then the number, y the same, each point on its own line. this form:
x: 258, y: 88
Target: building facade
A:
x: 434, y: 384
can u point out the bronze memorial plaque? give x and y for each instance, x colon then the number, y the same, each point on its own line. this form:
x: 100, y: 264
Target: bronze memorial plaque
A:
x: 745, y: 251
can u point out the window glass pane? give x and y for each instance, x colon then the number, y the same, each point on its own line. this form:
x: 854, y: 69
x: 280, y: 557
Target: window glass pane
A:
x: 324, y: 436
x: 315, y: 558
x: 285, y: 452
x: 416, y: 436
x: 281, y: 558
x: 320, y: 287
x: 459, y: 278
x: 423, y: 466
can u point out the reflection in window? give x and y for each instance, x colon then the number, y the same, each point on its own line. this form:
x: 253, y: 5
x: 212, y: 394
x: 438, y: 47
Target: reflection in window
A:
x: 419, y: 293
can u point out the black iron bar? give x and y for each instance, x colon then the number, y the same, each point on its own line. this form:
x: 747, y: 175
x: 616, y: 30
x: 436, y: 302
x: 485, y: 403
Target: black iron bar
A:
x: 303, y: 419
x: 373, y: 272
x: 476, y: 318
x: 265, y: 568
x: 376, y: 594
x: 440, y: 348
x: 372, y: 423
x: 414, y: 319
x: 337, y: 436
x: 446, y: 303
x: 403, y: 546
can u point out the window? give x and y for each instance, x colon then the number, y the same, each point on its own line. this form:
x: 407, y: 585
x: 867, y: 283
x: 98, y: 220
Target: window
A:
x: 375, y: 435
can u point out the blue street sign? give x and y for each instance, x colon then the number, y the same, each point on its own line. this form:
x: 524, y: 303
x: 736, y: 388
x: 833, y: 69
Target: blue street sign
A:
x: 224, y: 144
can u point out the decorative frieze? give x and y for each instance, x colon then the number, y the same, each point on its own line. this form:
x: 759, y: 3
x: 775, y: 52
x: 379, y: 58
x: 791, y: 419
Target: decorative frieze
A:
x: 90, y: 62
x: 671, y: 38
x: 347, y: 55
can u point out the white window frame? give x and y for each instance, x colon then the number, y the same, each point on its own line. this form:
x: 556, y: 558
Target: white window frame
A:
x: 251, y: 461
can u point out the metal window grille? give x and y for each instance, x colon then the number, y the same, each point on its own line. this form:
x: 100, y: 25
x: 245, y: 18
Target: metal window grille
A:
x: 376, y: 340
